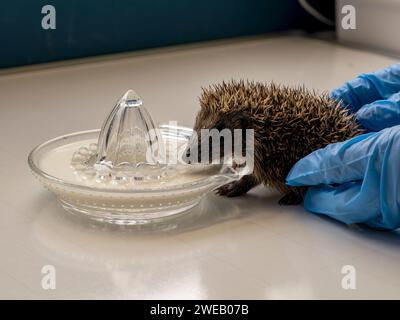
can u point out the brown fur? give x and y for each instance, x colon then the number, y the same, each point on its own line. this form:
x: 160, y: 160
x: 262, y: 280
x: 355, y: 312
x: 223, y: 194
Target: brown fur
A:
x: 288, y: 124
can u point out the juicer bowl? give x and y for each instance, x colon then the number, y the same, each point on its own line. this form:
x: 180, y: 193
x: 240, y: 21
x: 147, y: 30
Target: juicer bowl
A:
x: 124, y: 205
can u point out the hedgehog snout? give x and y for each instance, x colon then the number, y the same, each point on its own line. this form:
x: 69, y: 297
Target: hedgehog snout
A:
x: 188, y: 156
x: 197, y: 145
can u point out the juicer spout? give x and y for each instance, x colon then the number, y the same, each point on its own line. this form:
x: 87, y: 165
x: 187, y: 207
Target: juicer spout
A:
x: 129, y: 136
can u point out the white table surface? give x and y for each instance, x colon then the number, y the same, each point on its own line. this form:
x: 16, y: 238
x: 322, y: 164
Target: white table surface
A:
x: 248, y: 247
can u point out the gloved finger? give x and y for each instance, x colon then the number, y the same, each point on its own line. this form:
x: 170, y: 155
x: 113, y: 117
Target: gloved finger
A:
x: 374, y: 199
x: 344, y: 202
x: 380, y: 114
x: 368, y: 87
x: 336, y: 163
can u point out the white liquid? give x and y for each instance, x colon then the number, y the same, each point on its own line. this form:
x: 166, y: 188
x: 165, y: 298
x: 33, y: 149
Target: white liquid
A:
x: 57, y: 163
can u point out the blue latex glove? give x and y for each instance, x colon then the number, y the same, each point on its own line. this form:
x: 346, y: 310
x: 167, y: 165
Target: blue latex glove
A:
x: 358, y: 181
x: 374, y: 97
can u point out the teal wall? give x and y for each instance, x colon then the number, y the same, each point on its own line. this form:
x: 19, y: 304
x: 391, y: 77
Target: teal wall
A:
x: 93, y: 27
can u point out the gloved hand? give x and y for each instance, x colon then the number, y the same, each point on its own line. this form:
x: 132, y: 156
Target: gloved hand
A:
x: 358, y: 181
x: 374, y: 97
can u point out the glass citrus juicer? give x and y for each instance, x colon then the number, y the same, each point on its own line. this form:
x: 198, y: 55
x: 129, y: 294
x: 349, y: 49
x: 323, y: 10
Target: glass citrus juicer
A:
x: 130, y: 171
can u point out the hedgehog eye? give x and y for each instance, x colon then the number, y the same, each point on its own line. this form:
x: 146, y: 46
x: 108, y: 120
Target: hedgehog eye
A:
x: 219, y: 126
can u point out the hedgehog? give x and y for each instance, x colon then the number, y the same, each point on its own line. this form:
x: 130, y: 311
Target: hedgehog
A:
x: 288, y: 122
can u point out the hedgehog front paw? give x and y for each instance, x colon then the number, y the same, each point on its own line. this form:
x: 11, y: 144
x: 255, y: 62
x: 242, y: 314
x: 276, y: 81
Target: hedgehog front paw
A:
x: 237, y: 188
x: 231, y: 189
